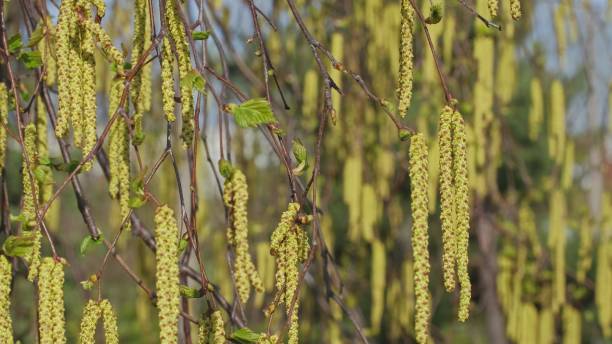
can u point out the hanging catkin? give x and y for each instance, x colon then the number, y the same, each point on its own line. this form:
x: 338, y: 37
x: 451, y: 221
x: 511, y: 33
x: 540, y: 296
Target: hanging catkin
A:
x: 3, y: 122
x: 420, y: 235
x: 6, y: 325
x: 515, y: 9
x: 571, y: 325
x: 447, y: 198
x: 236, y: 196
x: 111, y: 332
x: 91, y: 314
x: 119, y: 156
x: 212, y: 329
x: 141, y: 84
x: 603, y: 274
x: 167, y: 81
x: 493, y: 7
x: 536, y: 111
x: 556, y: 242
x: 30, y: 199
x: 167, y: 274
x: 404, y: 90
x: 289, y: 245
x: 585, y: 250
x: 51, y: 302
x: 556, y: 131
x: 377, y: 287
x: 179, y: 38
x: 462, y: 212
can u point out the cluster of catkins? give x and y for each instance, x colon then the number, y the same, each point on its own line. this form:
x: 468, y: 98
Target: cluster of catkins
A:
x: 236, y: 196
x: 455, y: 208
x: 177, y: 39
x: 167, y: 274
x: 515, y: 8
x: 290, y: 246
x: 76, y: 34
x: 94, y: 310
x: 212, y: 329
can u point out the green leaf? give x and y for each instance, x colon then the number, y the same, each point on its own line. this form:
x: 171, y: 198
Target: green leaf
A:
x: 44, y: 160
x: 89, y: 242
x: 194, y: 80
x: 245, y: 335
x: 301, y: 155
x: 137, y: 202
x: 404, y: 134
x: 435, y: 14
x: 200, y: 35
x: 190, y: 293
x: 18, y: 218
x: 40, y: 172
x: 252, y: 113
x: 15, y: 44
x: 182, y: 245
x: 36, y: 36
x: 19, y: 246
x: 66, y: 166
x: 225, y: 168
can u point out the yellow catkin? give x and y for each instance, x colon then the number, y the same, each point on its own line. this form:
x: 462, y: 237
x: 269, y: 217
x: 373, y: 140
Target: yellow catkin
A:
x: 447, y: 198
x: 167, y: 274
x: 212, y: 329
x: 46, y: 184
x: 377, y: 287
x: 289, y: 244
x: 603, y: 273
x: 493, y: 7
x: 556, y: 242
x: 556, y: 134
x: 113, y: 54
x: 91, y: 314
x: 585, y: 257
x: 546, y: 327
x: 236, y: 196
x: 572, y: 324
x: 536, y: 111
x: 88, y: 89
x: 567, y: 171
x: 3, y: 122
x: 167, y: 81
x: 404, y: 90
x: 65, y: 26
x: 515, y: 9
x: 30, y: 198
x: 178, y: 36
x: 111, y: 332
x: 119, y: 157
x: 420, y: 235
x: 528, y: 226
x: 6, y: 325
x: 462, y: 213
x: 141, y: 84
x: 51, y: 321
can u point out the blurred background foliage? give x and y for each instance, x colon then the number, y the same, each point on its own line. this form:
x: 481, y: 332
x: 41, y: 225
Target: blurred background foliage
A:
x: 540, y: 162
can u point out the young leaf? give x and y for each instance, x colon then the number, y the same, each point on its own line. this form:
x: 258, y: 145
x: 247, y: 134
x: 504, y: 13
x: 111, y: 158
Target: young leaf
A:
x: 245, y: 335
x: 136, y: 202
x: 36, y: 36
x: 190, y: 293
x: 18, y: 246
x: 88, y: 242
x: 200, y: 35
x: 15, y: 44
x: 252, y: 113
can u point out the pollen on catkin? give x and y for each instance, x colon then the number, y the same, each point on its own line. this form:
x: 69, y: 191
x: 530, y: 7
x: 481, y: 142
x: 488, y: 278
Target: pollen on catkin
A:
x: 179, y: 37
x: 493, y: 7
x: 515, y: 9
x: 30, y: 199
x: 236, y: 196
x: 167, y: 274
x: 119, y: 157
x: 6, y: 325
x: 212, y: 329
x: 111, y: 332
x: 420, y: 235
x: 51, y: 321
x: 167, y: 81
x: 141, y: 84
x: 404, y: 89
x: 45, y: 184
x: 462, y: 213
x: 447, y: 198
x: 3, y: 122
x: 289, y: 245
x: 89, y: 320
